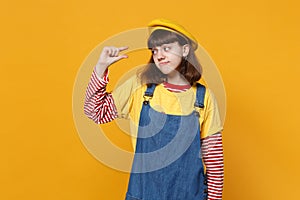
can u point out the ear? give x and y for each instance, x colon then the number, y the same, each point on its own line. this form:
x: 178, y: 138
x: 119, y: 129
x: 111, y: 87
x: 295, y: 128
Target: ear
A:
x: 186, y: 50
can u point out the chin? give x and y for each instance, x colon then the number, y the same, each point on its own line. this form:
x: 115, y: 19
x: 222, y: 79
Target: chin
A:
x: 166, y: 71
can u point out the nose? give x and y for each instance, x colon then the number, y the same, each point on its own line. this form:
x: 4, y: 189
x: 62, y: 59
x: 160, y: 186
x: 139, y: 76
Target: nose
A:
x: 160, y: 55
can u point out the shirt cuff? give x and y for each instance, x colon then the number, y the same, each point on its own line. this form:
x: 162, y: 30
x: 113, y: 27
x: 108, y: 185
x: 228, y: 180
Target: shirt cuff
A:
x: 102, y: 80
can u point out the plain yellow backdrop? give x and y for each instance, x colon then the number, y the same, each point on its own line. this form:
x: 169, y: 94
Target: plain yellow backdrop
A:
x: 255, y: 45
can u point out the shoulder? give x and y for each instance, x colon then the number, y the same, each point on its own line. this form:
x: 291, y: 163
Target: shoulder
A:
x: 209, y: 97
x: 130, y: 85
x: 129, y: 82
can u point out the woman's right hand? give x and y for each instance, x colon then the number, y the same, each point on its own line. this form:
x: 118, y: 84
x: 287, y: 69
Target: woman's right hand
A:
x: 108, y: 56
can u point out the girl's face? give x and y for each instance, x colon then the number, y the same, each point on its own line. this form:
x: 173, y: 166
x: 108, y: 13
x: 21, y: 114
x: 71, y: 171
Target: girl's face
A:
x: 168, y: 57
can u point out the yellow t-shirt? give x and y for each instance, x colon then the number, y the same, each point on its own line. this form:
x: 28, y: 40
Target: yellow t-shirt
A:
x: 128, y: 98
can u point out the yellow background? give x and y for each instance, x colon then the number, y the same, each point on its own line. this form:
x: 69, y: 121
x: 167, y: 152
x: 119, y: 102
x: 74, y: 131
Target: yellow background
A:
x: 255, y: 45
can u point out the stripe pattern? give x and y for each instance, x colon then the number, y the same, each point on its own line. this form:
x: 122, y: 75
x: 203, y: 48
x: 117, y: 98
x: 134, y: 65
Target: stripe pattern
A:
x: 99, y: 106
x: 176, y: 88
x: 212, y: 149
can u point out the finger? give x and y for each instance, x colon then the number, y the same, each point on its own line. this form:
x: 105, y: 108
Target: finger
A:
x: 116, y: 52
x: 109, y: 51
x: 112, y: 53
x: 124, y: 56
x: 120, y: 57
x: 123, y: 48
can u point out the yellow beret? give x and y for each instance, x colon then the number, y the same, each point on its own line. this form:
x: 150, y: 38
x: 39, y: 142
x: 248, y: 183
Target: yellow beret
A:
x: 169, y: 25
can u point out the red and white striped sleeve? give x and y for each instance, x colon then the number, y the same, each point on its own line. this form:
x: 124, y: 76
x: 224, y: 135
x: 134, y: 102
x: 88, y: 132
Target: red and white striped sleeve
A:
x: 99, y: 104
x: 212, y: 149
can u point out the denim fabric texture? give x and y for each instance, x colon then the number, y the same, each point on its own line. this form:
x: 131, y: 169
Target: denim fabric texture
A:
x: 167, y: 165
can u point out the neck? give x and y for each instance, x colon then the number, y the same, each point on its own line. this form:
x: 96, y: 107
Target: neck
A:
x: 177, y: 79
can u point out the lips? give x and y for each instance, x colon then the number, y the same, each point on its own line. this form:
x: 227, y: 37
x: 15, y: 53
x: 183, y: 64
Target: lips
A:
x: 164, y: 63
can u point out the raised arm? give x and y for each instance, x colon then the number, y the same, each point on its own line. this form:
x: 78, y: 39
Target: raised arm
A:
x: 99, y: 105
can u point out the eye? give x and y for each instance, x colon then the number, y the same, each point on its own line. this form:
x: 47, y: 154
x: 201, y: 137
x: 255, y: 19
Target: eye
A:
x: 166, y: 49
x: 154, y: 51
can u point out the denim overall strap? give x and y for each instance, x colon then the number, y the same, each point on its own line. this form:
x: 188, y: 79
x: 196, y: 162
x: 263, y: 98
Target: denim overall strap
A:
x: 167, y: 163
x: 150, y: 90
x: 149, y: 93
x: 200, y: 96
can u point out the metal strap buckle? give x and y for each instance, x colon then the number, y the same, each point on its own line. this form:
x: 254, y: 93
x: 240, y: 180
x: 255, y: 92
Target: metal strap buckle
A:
x: 146, y: 99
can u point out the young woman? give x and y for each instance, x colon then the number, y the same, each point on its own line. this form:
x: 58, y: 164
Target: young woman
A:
x: 178, y: 148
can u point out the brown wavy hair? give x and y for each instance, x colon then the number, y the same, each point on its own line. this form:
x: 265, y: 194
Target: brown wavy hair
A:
x: 189, y: 68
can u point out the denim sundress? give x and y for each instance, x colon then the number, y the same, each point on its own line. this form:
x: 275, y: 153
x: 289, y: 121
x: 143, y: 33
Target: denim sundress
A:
x: 168, y: 163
